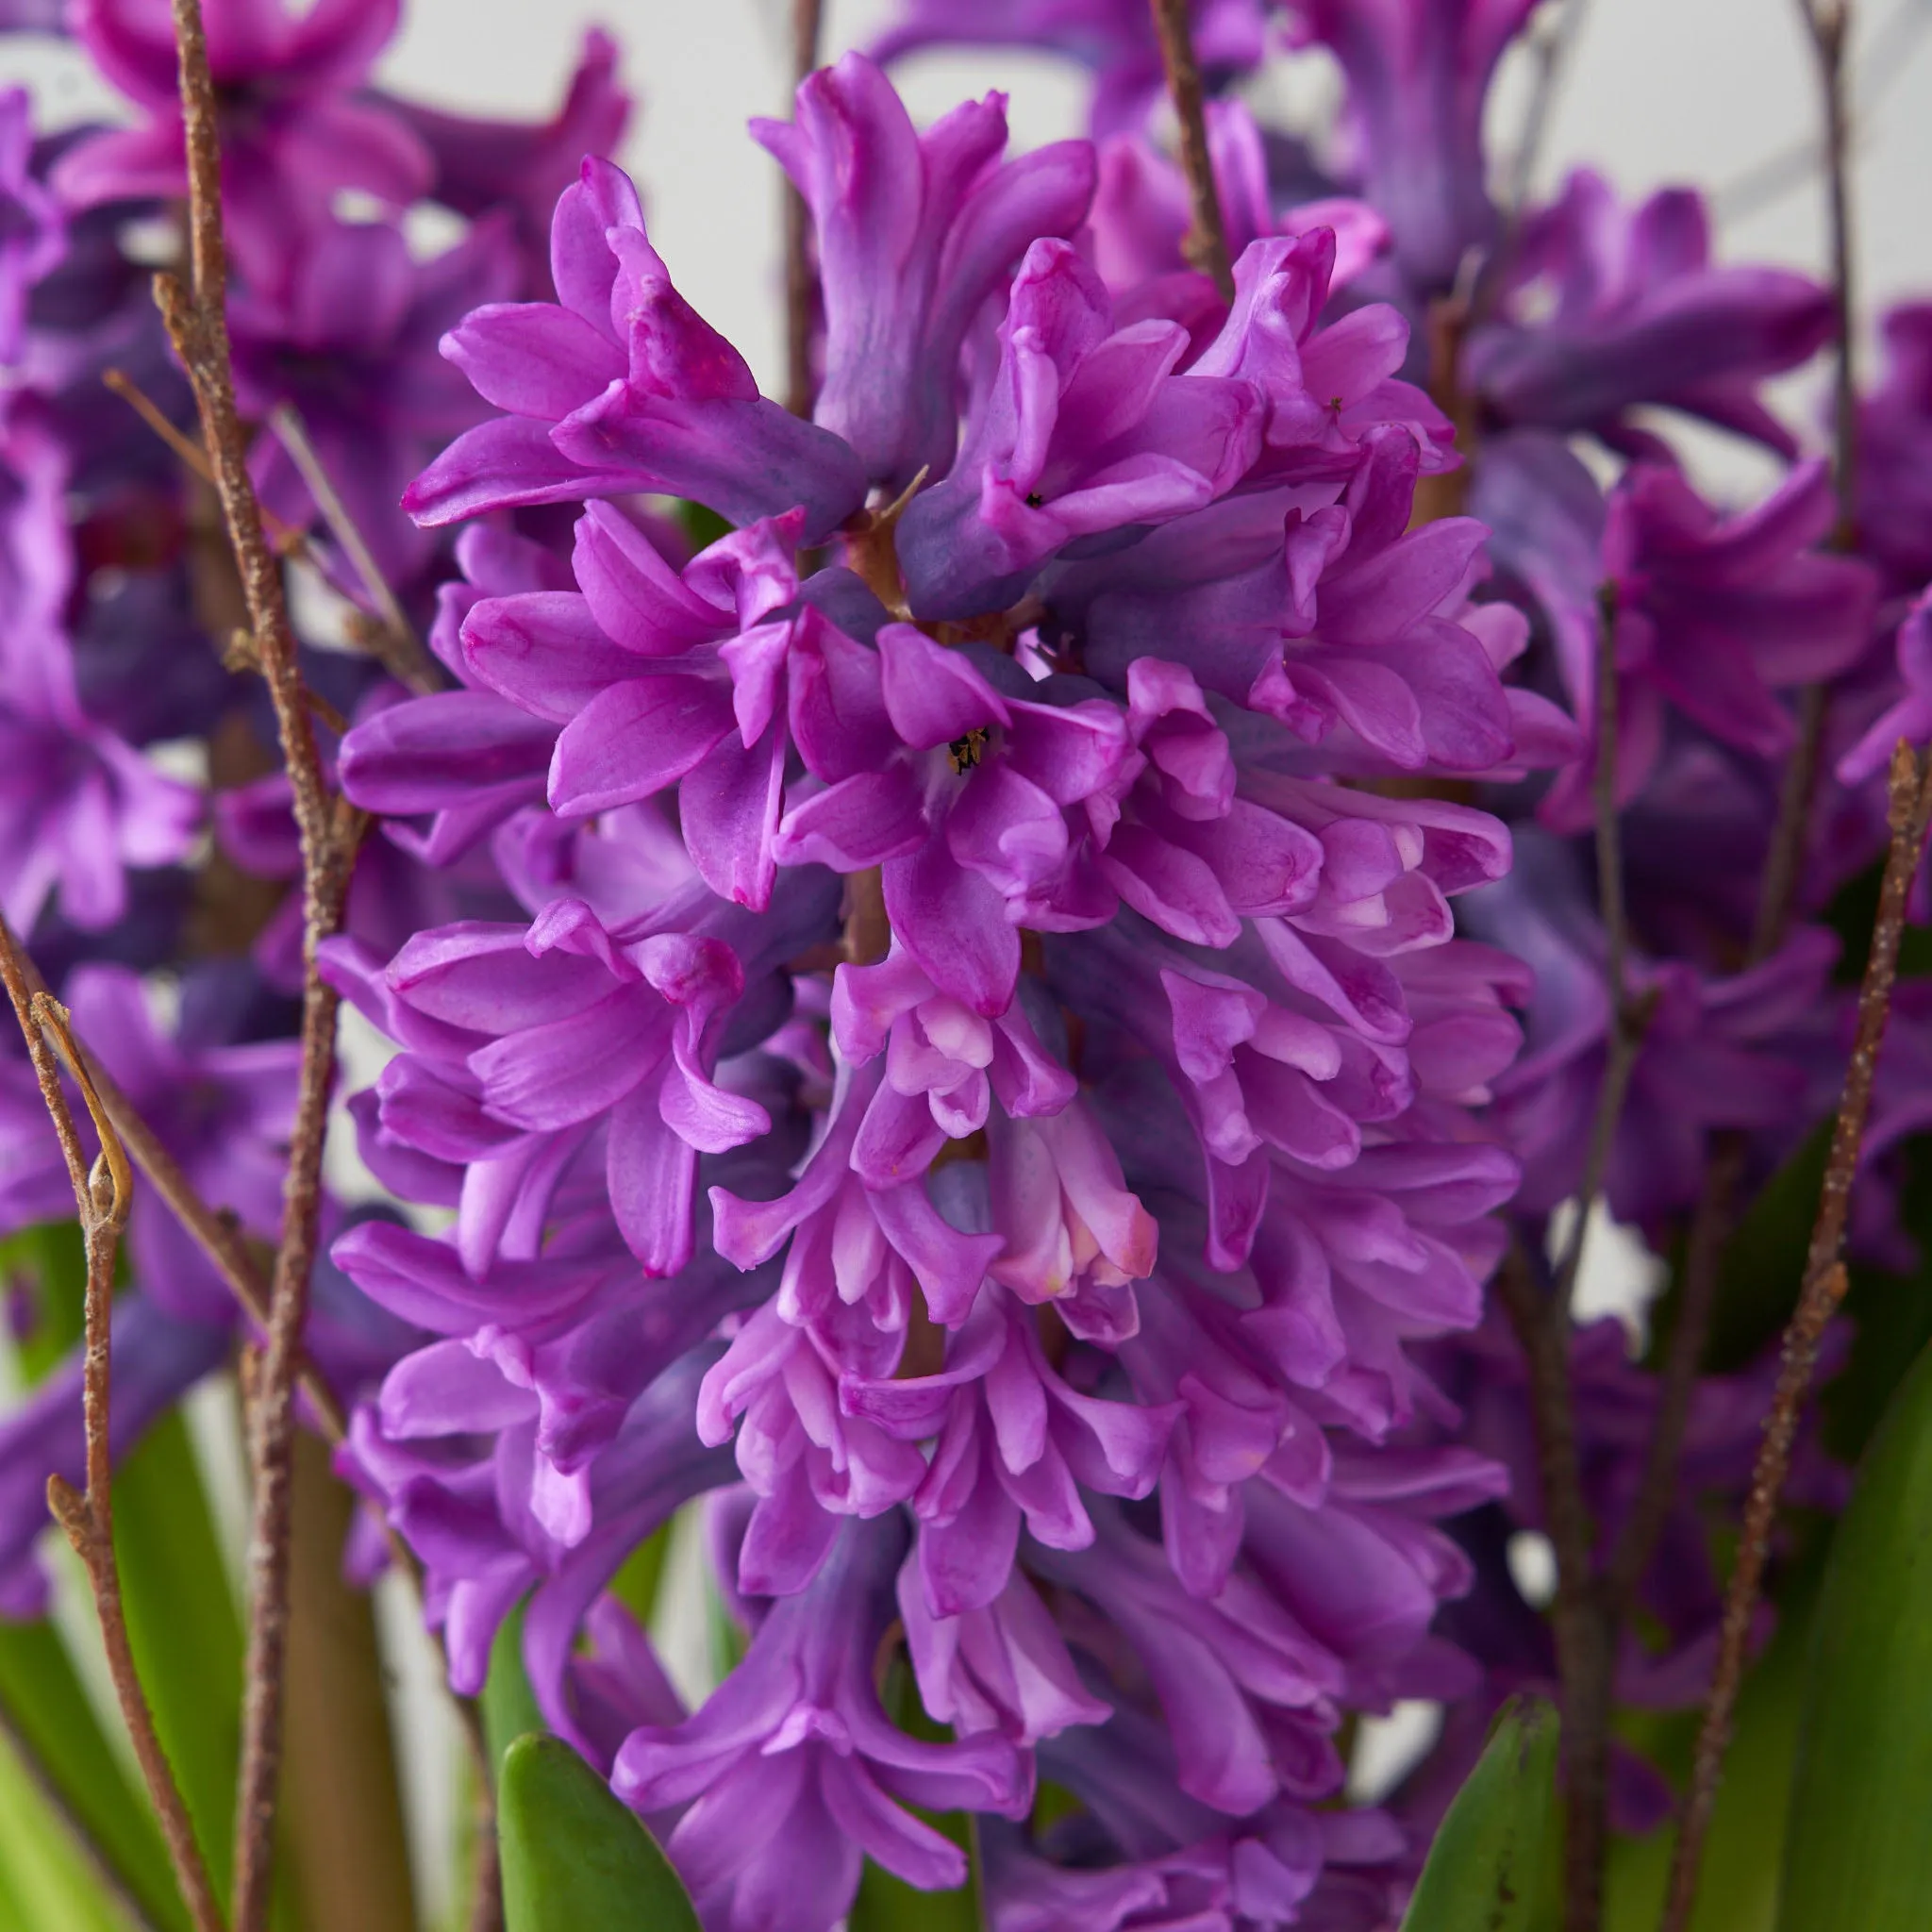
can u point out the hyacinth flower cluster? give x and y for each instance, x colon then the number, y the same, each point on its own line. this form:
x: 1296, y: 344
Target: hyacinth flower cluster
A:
x: 994, y: 994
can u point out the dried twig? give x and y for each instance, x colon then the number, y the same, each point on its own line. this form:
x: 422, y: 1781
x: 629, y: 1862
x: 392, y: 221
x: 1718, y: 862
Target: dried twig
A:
x: 1583, y: 1663
x: 102, y: 1193
x: 1823, y: 1289
x: 1551, y: 42
x: 1629, y: 1017
x: 1206, y: 245
x: 198, y: 323
x: 800, y: 281
x: 392, y: 637
x: 1828, y: 24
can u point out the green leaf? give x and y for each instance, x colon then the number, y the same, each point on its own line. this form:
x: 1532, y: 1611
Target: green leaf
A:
x: 574, y: 1857
x: 638, y: 1584
x: 1487, y: 1870
x: 45, y: 1880
x: 1858, y: 1851
x: 47, y: 1708
x: 184, y: 1628
x: 49, y: 1264
x: 887, y: 1904
x: 510, y: 1705
x: 1740, y: 1856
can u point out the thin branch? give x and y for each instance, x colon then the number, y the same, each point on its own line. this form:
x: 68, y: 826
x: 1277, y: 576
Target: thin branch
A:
x: 800, y: 281
x: 1628, y: 1018
x: 1910, y: 793
x: 103, y: 1195
x: 1206, y: 245
x: 393, y: 639
x: 212, y: 1229
x: 1551, y: 46
x: 1828, y: 24
x: 1582, y: 1659
x: 198, y: 323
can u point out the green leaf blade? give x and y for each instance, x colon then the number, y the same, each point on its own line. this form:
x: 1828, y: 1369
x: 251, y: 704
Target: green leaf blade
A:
x: 1858, y: 1843
x: 1487, y: 1868
x: 574, y: 1857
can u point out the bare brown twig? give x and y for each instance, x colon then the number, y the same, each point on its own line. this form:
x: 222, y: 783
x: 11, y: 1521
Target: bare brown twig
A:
x: 1542, y: 1332
x: 102, y: 1193
x: 800, y: 281
x: 391, y: 638
x: 1911, y: 795
x: 1205, y: 246
x: 196, y: 318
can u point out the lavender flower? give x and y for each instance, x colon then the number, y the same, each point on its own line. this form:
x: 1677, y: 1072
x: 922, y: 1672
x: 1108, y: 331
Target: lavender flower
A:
x: 293, y: 134
x: 1418, y: 73
x: 619, y: 386
x: 32, y: 235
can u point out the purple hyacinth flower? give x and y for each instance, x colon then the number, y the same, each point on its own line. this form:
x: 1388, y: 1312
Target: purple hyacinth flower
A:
x: 568, y: 1346
x: 1004, y: 1668
x: 915, y: 232
x: 1014, y: 1443
x: 1418, y: 73
x: 1113, y: 40
x: 521, y: 167
x: 32, y: 235
x: 349, y: 340
x: 1719, y: 1051
x: 1895, y: 452
x: 1909, y: 717
x: 1087, y: 429
x: 701, y: 681
x: 467, y: 760
x: 1638, y: 313
x: 1142, y: 214
x: 158, y: 1357
x: 78, y: 807
x: 223, y: 1109
x: 972, y: 809
x: 467, y: 1487
x: 1341, y: 622
x: 530, y: 1045
x: 294, y: 132
x: 796, y: 1738
x: 1714, y: 615
x: 619, y: 387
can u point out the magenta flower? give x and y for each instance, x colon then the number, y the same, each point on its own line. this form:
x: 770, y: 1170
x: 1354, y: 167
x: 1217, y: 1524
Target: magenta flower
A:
x: 1418, y: 74
x: 349, y: 339
x: 1909, y: 717
x: 32, y: 235
x: 1141, y: 212
x: 1113, y: 39
x: 1341, y: 622
x: 796, y: 1738
x: 618, y: 387
x: 1087, y: 429
x: 971, y: 813
x: 1895, y: 453
x: 1636, y: 312
x: 1714, y: 615
x: 293, y: 131
x: 1014, y: 1444
x: 915, y: 233
x: 483, y: 167
x: 701, y: 681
